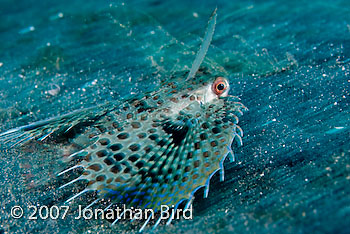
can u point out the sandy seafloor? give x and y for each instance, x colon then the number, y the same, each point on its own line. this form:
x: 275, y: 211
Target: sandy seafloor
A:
x: 288, y: 61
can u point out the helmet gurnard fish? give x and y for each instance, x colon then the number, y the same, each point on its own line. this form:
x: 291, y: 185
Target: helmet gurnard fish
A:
x: 152, y: 149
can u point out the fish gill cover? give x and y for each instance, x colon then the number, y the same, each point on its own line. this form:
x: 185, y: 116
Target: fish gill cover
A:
x: 287, y: 63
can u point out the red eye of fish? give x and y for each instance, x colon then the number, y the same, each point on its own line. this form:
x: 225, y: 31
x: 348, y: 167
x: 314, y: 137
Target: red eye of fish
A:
x: 219, y: 86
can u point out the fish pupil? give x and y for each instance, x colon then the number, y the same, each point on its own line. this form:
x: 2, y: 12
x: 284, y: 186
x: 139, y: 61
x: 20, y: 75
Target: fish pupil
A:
x: 221, y: 87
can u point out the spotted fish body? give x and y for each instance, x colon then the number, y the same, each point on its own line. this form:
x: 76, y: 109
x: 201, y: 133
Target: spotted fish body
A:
x: 155, y: 149
x: 161, y: 148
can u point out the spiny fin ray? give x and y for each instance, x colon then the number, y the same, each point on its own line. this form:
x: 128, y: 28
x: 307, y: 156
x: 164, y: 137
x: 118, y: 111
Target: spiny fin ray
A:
x: 204, y: 46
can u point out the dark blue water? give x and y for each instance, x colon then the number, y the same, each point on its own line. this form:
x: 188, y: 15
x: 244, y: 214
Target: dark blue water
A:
x: 288, y: 61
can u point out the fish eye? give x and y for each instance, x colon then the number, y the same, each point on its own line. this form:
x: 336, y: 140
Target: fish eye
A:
x: 219, y: 86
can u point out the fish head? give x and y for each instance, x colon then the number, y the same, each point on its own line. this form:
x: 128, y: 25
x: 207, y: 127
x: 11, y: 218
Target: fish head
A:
x: 201, y: 96
x: 212, y: 91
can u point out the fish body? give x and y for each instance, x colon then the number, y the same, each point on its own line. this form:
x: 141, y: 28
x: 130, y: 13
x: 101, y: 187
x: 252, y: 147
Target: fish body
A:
x: 157, y: 148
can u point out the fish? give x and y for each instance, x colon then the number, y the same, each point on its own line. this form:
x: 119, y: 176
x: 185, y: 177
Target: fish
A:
x: 150, y: 149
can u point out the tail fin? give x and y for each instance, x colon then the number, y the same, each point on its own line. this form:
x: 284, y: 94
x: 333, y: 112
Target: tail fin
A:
x: 61, y: 124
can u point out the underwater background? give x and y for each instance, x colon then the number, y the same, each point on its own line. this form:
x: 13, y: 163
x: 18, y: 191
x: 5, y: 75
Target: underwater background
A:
x: 288, y: 61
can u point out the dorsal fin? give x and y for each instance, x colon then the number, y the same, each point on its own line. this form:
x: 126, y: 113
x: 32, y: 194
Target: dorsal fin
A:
x: 208, y: 36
